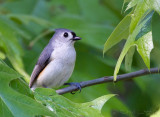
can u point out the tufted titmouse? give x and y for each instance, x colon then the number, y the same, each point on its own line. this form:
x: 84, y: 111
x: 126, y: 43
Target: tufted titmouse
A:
x: 56, y: 62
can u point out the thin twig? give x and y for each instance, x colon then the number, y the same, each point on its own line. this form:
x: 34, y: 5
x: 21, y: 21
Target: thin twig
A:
x: 109, y: 79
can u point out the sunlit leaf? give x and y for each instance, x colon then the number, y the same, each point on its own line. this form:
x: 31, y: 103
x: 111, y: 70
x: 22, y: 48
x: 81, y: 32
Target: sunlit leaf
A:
x: 131, y: 4
x: 141, y: 9
x: 61, y: 106
x: 2, y: 55
x: 144, y: 47
x: 152, y: 4
x: 120, y: 32
x: 143, y: 35
x: 155, y: 4
x: 156, y: 114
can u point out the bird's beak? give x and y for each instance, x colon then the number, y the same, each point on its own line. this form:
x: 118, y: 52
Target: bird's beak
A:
x: 76, y: 38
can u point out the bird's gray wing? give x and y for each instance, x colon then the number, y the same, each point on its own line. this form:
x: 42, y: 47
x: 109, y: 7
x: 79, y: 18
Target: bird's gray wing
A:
x: 41, y: 63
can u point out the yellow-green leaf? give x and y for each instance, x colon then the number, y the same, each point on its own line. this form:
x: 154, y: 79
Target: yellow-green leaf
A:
x: 156, y: 114
x: 144, y: 47
x: 142, y: 33
x: 129, y: 58
x: 61, y: 106
x: 120, y: 32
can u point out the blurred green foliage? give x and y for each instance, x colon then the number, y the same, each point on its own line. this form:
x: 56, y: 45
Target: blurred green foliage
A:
x: 18, y: 101
x: 27, y: 25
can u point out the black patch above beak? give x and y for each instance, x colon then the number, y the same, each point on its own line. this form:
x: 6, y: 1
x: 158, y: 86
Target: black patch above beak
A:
x: 76, y: 38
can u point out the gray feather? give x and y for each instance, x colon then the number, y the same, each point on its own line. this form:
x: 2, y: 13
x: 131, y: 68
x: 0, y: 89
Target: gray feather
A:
x: 41, y: 63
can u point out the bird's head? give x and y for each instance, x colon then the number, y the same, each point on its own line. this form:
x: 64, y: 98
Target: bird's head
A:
x: 65, y: 36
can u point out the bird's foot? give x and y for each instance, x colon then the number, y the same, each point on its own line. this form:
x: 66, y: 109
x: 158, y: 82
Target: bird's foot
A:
x: 78, y: 85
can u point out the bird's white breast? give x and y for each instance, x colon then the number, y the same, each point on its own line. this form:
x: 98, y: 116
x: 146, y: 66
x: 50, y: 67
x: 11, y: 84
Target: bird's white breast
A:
x: 60, y: 68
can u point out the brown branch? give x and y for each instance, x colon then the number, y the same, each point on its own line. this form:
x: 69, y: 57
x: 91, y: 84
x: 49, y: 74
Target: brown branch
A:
x: 109, y: 79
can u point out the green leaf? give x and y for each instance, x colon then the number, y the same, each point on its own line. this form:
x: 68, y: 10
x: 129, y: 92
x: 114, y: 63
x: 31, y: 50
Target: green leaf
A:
x: 14, y: 102
x: 119, y: 33
x: 152, y: 4
x: 156, y: 114
x: 99, y: 102
x: 155, y: 5
x: 61, y: 106
x: 129, y: 58
x: 141, y: 33
x: 132, y: 3
x: 10, y: 45
x: 25, y: 19
x: 144, y: 38
x: 144, y: 47
x: 140, y: 11
x: 2, y: 55
x: 128, y: 45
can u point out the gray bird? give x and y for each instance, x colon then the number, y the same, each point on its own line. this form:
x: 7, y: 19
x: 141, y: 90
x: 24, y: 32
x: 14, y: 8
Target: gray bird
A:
x: 56, y: 62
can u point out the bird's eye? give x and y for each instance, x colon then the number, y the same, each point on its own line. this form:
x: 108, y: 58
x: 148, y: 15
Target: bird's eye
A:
x: 65, y: 34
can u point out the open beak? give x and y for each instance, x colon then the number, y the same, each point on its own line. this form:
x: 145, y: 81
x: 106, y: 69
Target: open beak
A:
x: 76, y: 38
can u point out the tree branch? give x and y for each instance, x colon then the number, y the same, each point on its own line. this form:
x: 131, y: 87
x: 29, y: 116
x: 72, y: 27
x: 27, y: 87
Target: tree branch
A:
x: 109, y: 79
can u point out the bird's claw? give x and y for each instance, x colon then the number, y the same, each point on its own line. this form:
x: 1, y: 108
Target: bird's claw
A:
x: 78, y: 85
